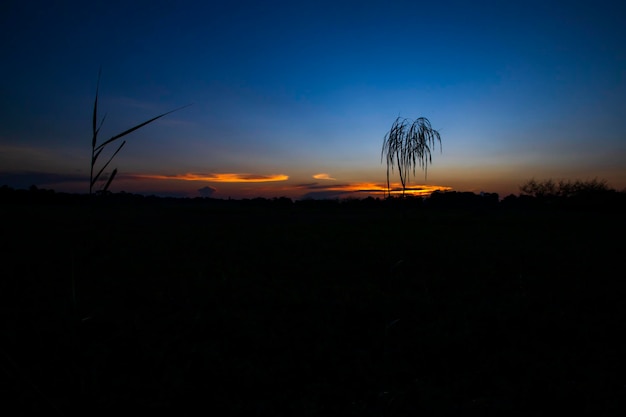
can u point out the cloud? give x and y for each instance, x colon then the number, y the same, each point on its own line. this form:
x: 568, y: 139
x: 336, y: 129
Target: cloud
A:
x: 207, y: 191
x: 323, y: 176
x: 225, y: 177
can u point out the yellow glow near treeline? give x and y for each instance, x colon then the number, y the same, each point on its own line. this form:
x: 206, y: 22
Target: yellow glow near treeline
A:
x: 422, y: 190
x: 378, y: 189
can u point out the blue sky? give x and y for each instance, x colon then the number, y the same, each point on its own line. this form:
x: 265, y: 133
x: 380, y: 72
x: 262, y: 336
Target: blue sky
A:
x: 287, y: 91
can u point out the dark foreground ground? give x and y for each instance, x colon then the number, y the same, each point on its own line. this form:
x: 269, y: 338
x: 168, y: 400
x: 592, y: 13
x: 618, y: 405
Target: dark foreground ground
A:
x: 281, y: 309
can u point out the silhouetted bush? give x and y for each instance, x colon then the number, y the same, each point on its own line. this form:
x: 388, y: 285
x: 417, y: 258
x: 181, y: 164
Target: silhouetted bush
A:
x: 562, y: 188
x: 591, y: 194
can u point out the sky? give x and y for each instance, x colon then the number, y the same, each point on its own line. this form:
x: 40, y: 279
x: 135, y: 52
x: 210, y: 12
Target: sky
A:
x: 294, y: 98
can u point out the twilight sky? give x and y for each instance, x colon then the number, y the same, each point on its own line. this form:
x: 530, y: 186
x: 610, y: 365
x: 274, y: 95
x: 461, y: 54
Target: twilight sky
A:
x: 293, y: 98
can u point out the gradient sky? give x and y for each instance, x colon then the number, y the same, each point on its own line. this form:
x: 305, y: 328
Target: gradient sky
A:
x: 293, y: 98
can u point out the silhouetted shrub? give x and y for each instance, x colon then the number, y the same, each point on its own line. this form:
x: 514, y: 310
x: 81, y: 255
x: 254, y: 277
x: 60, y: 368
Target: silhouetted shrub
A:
x: 591, y: 194
x: 562, y: 188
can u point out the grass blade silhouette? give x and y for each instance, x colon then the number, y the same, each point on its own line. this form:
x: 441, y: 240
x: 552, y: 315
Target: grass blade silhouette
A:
x: 95, y: 179
x: 96, y: 149
x: 106, y: 186
x: 132, y: 129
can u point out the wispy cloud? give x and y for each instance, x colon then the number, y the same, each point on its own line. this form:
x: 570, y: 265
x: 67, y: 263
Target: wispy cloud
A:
x: 223, y: 177
x: 323, y: 176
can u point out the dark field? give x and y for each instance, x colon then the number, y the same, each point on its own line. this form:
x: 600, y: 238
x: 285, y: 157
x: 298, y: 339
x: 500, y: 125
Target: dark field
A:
x: 273, y: 308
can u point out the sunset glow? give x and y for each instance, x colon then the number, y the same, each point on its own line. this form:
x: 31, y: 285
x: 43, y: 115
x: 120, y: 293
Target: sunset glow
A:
x: 282, y: 98
x: 372, y: 189
x: 226, y: 177
x: 247, y: 185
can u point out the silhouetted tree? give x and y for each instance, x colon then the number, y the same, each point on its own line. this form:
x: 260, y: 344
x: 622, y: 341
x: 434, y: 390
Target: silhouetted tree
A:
x: 407, y: 145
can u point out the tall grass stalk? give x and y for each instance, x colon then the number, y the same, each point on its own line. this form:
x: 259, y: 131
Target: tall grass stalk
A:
x: 96, y: 149
x: 407, y: 145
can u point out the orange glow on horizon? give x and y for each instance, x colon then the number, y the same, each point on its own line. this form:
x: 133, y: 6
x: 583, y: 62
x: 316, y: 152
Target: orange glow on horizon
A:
x: 419, y: 190
x: 378, y: 189
x: 226, y: 177
x: 244, y: 184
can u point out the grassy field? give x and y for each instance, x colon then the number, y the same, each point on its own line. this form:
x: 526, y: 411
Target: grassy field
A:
x: 271, y: 308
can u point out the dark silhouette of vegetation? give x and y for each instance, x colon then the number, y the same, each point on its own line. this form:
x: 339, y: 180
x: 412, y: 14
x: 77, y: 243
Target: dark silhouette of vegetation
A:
x: 278, y: 307
x: 600, y: 200
x: 462, y: 200
x: 549, y: 188
x: 96, y: 148
x: 591, y: 194
x: 408, y: 145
